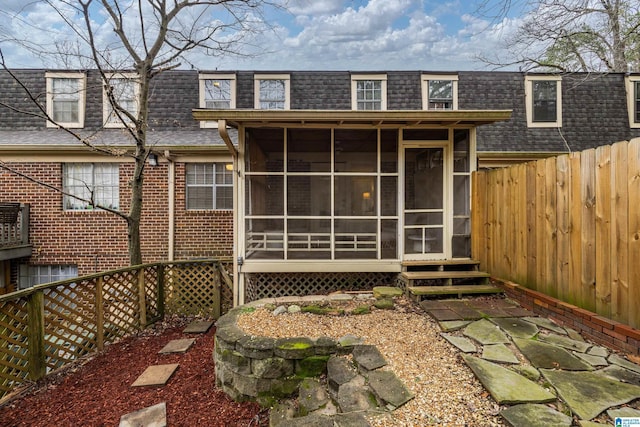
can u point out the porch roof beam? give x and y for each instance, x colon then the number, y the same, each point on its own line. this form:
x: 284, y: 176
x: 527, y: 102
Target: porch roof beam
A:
x: 309, y: 118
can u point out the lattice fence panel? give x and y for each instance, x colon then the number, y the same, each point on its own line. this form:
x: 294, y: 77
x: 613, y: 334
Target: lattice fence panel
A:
x: 151, y: 293
x: 121, y: 304
x: 14, y: 357
x: 275, y: 285
x: 192, y: 289
x: 70, y: 322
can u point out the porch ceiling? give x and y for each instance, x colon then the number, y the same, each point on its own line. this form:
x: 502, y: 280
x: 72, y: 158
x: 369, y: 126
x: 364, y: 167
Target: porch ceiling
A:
x: 322, y: 118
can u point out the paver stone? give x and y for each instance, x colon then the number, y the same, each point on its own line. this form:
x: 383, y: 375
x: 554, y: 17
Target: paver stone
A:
x: 198, y: 327
x: 463, y: 344
x: 178, y: 346
x: 155, y: 375
x: 485, y: 332
x: 543, y: 355
x: 153, y: 416
x: 516, y: 327
x: 532, y: 415
x: 499, y: 353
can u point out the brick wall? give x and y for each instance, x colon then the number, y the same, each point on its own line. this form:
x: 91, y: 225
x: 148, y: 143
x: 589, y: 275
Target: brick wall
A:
x: 592, y: 326
x: 97, y: 241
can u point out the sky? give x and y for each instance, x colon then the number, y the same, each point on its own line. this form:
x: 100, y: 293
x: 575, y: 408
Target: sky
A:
x: 354, y: 35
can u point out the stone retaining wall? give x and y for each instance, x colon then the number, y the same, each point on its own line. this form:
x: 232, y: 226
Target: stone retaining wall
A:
x: 597, y: 328
x: 263, y: 369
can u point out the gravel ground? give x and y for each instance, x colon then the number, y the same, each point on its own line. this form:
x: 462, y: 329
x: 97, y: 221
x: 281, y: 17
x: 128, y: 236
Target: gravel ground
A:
x: 446, y: 391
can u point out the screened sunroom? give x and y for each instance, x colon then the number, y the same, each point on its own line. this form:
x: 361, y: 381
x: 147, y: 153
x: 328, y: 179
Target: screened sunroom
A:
x: 351, y: 191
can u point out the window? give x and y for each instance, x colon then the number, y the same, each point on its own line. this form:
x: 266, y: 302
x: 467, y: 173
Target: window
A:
x: 272, y: 91
x: 31, y: 275
x: 439, y: 92
x: 93, y: 185
x: 217, y: 91
x: 124, y: 88
x: 209, y: 186
x: 632, y: 84
x: 543, y: 96
x: 369, y: 92
x: 66, y: 99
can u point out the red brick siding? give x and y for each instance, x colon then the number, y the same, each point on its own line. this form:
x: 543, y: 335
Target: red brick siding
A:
x: 97, y: 241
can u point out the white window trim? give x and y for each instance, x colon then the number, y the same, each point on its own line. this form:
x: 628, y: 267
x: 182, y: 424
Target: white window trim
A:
x: 81, y: 98
x: 425, y: 88
x: 105, y: 99
x: 287, y: 88
x: 210, y: 76
x: 92, y: 186
x: 629, y: 82
x: 354, y: 88
x: 528, y: 97
x: 214, y: 186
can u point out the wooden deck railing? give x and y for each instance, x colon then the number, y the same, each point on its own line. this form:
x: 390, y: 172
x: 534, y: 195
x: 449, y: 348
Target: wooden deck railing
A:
x: 14, y: 224
x: 49, y: 326
x: 567, y: 226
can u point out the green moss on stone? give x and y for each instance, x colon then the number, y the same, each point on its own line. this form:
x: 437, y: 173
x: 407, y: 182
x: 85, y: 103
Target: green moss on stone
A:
x: 294, y: 345
x: 312, y: 366
x: 363, y: 309
x: 384, y: 304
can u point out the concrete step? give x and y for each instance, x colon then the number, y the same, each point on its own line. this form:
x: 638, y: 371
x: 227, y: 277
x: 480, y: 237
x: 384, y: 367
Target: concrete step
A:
x: 421, y: 291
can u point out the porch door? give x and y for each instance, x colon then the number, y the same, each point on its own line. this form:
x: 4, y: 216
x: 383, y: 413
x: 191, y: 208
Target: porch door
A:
x: 425, y: 202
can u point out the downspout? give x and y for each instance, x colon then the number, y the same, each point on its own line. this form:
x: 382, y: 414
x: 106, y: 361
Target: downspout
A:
x: 224, y: 134
x: 171, y: 182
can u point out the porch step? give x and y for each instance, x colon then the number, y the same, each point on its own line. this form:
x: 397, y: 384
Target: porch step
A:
x: 440, y: 275
x: 440, y: 262
x: 442, y: 265
x: 417, y: 292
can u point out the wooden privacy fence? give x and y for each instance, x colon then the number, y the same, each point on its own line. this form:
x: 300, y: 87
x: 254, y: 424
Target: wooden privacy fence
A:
x: 49, y: 326
x: 567, y: 226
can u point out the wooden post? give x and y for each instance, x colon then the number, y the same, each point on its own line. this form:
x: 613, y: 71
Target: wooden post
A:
x: 141, y: 299
x: 99, y: 313
x: 160, y: 273
x: 35, y: 334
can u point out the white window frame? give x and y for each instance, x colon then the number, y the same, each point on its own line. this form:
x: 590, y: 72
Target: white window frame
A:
x: 528, y: 97
x: 426, y: 78
x: 631, y: 83
x: 68, y: 187
x: 228, y: 166
x: 257, y: 78
x: 107, y: 109
x: 203, y: 78
x: 82, y: 78
x: 355, y: 78
x: 32, y: 275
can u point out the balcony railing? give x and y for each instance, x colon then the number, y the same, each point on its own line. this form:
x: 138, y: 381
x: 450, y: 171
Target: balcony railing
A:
x: 14, y: 230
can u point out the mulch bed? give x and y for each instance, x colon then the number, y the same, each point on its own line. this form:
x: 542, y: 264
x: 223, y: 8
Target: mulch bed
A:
x: 98, y: 391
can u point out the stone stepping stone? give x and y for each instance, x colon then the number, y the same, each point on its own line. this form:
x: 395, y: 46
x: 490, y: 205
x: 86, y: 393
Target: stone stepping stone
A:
x: 518, y: 312
x: 506, y: 386
x: 547, y: 324
x: 565, y: 342
x: 354, y: 397
x: 453, y: 325
x: 388, y: 387
x: 574, y: 335
x: 619, y: 373
x: 621, y: 361
x: 463, y: 344
x: 466, y: 312
x: 444, y: 315
x: 386, y: 292
x: 312, y: 395
x: 177, y: 346
x: 485, y: 332
x: 153, y: 416
x: 198, y: 327
x: 499, y: 353
x: 623, y: 412
x: 516, y: 327
x: 588, y: 393
x: 339, y: 371
x: 532, y: 415
x: 155, y: 375
x: 592, y: 360
x: 350, y: 420
x: 543, y: 355
x: 368, y: 357
x: 598, y: 351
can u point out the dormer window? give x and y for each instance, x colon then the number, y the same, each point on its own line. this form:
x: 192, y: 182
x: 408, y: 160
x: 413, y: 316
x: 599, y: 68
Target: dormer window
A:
x: 272, y: 91
x: 439, y: 92
x: 217, y: 92
x: 369, y: 92
x: 124, y: 89
x: 543, y: 97
x: 66, y: 99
